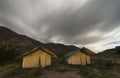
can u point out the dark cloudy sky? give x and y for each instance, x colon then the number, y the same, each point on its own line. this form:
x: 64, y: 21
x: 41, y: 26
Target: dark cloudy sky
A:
x: 91, y: 23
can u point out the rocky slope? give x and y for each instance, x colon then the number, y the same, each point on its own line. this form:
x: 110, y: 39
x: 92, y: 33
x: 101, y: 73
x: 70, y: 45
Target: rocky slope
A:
x: 109, y: 53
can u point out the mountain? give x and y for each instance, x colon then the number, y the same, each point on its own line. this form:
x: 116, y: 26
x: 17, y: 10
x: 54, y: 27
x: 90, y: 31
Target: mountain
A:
x: 24, y: 43
x: 60, y: 49
x: 21, y: 42
x: 6, y: 33
x: 109, y: 53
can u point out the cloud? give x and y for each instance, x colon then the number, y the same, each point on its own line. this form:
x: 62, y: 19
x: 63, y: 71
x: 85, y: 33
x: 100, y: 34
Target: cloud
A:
x: 114, y: 42
x: 80, y: 22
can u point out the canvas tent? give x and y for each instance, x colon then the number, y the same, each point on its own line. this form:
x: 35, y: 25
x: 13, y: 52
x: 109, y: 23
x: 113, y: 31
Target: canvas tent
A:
x: 37, y: 57
x: 77, y: 57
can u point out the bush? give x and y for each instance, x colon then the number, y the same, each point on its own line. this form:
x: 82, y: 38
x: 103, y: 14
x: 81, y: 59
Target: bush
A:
x: 32, y: 73
x: 7, y: 51
x: 18, y: 71
x: 87, y: 72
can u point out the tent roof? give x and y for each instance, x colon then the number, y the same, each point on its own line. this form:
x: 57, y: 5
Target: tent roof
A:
x: 38, y: 48
x: 71, y: 53
x: 82, y: 50
x: 87, y: 51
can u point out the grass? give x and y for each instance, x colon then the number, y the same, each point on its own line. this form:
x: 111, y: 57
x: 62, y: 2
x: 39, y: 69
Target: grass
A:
x: 24, y: 73
x: 100, y: 69
x: 36, y: 72
x: 64, y: 69
x: 86, y: 72
x: 5, y: 67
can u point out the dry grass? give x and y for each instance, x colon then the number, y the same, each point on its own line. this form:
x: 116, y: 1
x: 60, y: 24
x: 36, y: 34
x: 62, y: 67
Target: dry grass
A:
x: 5, y: 67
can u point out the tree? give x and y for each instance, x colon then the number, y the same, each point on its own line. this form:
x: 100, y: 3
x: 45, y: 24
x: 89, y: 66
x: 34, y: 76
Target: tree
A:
x: 7, y: 51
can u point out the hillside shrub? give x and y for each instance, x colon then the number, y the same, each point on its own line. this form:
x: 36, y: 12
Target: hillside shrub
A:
x: 7, y: 51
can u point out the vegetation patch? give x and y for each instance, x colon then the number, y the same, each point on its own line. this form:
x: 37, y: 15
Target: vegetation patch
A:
x: 64, y: 69
x: 5, y: 67
x: 24, y: 73
x: 86, y: 72
x: 7, y: 52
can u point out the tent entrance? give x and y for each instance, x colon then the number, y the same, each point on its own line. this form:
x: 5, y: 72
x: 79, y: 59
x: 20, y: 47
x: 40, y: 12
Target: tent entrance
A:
x: 39, y: 62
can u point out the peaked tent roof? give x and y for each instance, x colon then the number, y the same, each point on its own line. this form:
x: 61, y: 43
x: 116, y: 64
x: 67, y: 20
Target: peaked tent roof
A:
x: 87, y: 51
x: 38, y: 48
x: 82, y: 50
x: 72, y: 53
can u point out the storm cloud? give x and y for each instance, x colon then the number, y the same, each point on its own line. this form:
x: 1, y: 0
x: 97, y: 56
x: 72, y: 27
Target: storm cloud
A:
x: 90, y: 23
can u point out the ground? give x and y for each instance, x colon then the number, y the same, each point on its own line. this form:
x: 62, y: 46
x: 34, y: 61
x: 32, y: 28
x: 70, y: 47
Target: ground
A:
x: 61, y: 71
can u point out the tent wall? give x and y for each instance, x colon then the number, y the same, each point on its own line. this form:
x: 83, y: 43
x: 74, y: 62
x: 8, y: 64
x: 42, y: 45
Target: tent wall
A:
x: 88, y: 60
x: 78, y: 58
x: 31, y: 60
x: 36, y: 59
